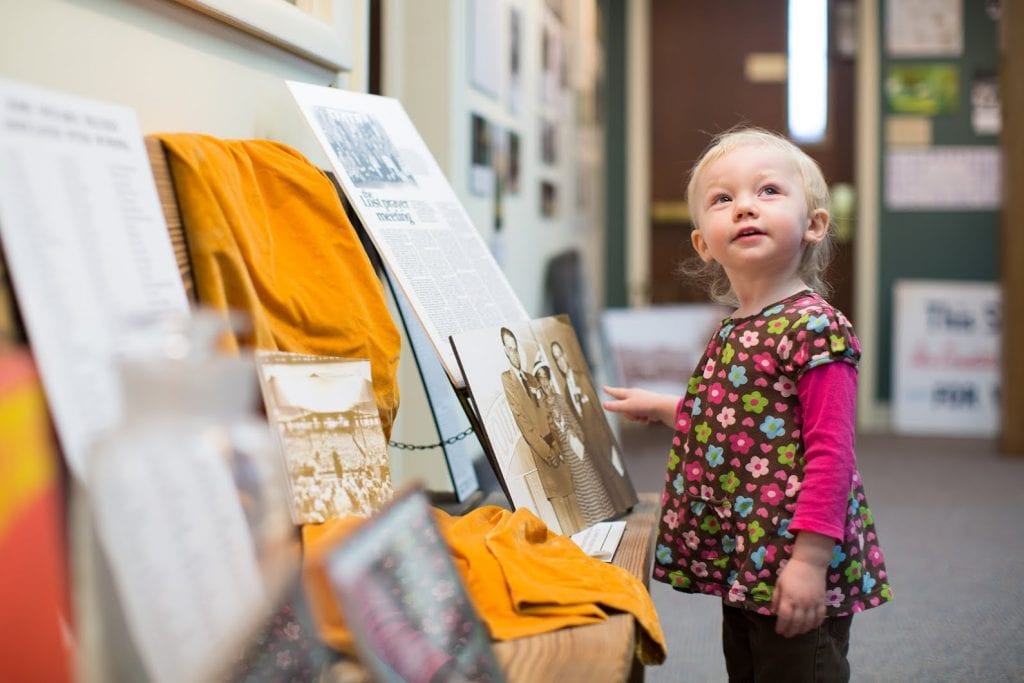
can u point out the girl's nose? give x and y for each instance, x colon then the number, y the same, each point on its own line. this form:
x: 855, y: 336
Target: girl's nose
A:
x: 743, y: 207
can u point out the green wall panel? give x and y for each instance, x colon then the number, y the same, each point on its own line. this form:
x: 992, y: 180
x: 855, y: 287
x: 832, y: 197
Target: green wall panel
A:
x: 613, y: 13
x: 947, y: 245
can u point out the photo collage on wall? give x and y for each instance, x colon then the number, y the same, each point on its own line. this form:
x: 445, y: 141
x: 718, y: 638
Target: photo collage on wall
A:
x: 496, y: 72
x: 496, y: 38
x: 552, y: 103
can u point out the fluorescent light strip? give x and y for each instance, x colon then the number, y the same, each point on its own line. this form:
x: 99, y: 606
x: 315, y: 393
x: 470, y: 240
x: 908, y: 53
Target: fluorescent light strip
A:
x: 807, y: 64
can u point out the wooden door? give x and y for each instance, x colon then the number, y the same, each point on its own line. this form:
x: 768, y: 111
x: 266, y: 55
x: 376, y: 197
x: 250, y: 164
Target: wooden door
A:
x: 699, y: 56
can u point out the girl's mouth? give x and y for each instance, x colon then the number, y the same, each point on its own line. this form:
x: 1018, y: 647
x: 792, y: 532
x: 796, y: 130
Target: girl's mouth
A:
x: 747, y: 232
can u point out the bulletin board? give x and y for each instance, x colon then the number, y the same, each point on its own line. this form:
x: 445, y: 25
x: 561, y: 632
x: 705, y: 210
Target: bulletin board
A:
x: 937, y: 242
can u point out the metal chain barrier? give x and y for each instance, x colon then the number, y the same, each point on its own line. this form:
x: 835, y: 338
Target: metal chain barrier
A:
x: 447, y: 442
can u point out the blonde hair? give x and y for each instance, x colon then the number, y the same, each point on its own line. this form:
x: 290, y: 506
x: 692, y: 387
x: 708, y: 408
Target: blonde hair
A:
x: 816, y: 256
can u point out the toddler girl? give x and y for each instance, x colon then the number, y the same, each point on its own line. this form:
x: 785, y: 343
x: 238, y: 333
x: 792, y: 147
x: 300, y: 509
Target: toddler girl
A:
x: 763, y: 505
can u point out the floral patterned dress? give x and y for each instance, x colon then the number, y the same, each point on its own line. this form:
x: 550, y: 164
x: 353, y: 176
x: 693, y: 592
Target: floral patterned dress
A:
x: 736, y: 465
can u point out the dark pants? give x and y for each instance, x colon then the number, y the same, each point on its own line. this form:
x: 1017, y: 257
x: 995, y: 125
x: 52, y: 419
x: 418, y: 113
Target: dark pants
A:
x: 755, y: 652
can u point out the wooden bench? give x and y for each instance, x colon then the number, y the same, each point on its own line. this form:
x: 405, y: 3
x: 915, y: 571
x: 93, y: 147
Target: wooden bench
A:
x: 599, y: 652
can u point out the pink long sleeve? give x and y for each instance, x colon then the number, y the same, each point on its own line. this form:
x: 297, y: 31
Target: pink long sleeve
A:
x: 828, y: 396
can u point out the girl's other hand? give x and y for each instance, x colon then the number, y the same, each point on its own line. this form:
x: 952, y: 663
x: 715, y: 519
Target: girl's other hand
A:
x: 799, y: 596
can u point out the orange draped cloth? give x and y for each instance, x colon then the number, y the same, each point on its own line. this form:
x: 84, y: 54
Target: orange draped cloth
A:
x: 523, y: 579
x: 267, y: 235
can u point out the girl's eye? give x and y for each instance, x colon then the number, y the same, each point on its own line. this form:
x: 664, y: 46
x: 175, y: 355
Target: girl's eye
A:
x: 720, y: 199
x: 770, y: 190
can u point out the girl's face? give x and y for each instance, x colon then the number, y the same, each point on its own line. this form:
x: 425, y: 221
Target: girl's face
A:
x: 753, y: 214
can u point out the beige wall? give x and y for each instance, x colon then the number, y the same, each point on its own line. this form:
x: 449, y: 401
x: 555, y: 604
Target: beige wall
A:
x: 178, y: 69
x: 427, y: 65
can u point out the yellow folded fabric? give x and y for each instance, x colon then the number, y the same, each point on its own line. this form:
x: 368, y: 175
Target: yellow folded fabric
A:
x: 523, y: 579
x: 267, y: 234
x: 546, y: 579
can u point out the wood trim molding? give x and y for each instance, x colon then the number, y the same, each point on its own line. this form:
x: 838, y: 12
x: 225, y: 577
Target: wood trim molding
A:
x: 1012, y: 227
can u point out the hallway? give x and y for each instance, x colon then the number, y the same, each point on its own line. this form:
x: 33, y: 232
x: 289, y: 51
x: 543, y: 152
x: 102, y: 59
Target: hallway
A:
x: 950, y: 513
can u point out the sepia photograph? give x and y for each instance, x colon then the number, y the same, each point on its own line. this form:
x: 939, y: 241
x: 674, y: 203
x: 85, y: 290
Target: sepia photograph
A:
x: 323, y: 411
x: 542, y: 416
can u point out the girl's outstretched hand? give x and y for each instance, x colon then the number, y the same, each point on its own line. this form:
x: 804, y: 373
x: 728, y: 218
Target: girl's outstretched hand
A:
x: 641, y: 405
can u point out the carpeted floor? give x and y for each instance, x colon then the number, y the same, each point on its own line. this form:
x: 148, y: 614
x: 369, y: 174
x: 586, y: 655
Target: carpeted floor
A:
x: 950, y: 514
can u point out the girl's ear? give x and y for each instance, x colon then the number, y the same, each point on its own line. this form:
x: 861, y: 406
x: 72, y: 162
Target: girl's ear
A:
x: 699, y: 245
x: 817, y: 228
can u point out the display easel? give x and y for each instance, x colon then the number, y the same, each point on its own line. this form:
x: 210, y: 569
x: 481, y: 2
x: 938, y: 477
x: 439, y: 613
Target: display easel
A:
x: 478, y: 427
x: 435, y: 387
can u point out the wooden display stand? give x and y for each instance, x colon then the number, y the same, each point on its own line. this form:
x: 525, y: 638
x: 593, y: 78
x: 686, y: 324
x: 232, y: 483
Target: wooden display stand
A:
x: 599, y: 652
x: 604, y: 651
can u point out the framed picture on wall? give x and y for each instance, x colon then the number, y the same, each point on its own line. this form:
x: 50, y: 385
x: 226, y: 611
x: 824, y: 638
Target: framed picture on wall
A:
x: 548, y: 142
x: 552, y: 55
x: 548, y: 199
x: 924, y: 28
x: 485, y: 46
x: 512, y: 162
x: 319, y: 30
x: 925, y: 89
x: 481, y: 166
x: 515, y: 60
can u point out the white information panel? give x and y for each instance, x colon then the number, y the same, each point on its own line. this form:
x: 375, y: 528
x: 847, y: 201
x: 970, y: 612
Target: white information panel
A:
x: 950, y: 178
x: 86, y: 244
x: 946, y: 360
x: 419, y: 226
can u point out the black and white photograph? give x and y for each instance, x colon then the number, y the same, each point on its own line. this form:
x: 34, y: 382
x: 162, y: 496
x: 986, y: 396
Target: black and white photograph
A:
x: 325, y: 416
x: 370, y: 157
x: 551, y: 440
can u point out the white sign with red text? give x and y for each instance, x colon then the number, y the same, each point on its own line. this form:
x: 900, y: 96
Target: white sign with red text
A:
x: 946, y: 358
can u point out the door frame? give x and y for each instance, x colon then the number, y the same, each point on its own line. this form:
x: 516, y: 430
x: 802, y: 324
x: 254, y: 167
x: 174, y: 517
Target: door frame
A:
x: 873, y: 415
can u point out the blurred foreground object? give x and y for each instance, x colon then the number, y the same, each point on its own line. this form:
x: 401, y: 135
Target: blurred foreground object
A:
x: 34, y: 632
x: 187, y: 495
